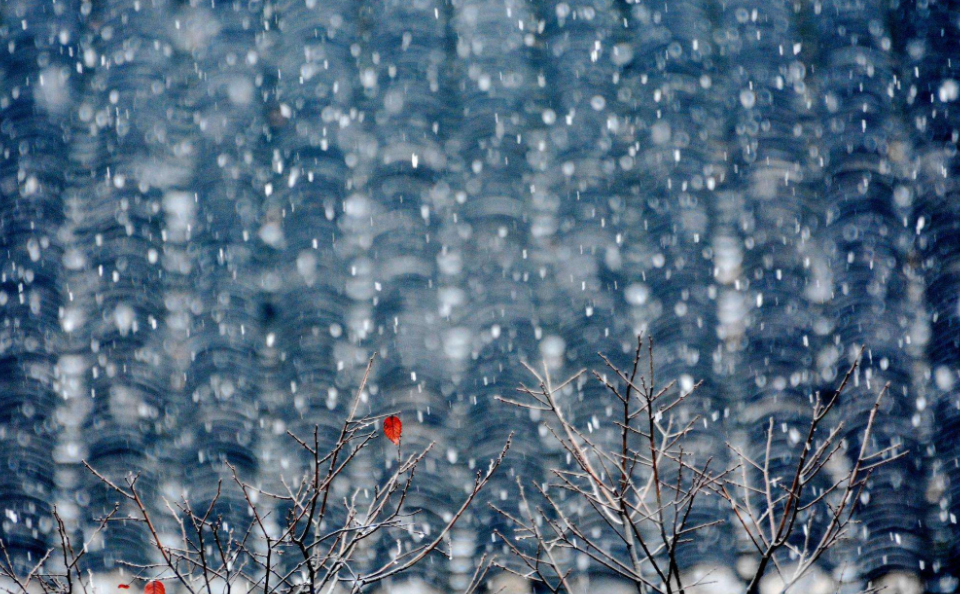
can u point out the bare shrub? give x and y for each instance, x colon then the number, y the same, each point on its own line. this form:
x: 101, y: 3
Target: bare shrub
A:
x: 300, y: 554
x: 628, y: 507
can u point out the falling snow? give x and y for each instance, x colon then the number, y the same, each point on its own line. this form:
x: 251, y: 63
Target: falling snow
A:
x: 212, y: 212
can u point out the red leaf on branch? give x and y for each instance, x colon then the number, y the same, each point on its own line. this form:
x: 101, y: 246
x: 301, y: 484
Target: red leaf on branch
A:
x: 154, y: 587
x: 392, y: 428
x: 124, y: 586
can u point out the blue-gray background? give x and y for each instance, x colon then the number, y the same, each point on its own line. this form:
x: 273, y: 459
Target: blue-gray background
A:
x: 213, y: 211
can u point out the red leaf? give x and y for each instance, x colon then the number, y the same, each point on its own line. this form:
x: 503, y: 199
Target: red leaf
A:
x: 154, y: 587
x: 392, y: 428
x: 124, y: 586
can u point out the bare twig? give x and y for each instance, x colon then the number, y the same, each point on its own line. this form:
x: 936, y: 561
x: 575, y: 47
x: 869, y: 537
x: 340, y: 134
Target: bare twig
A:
x: 208, y: 557
x: 645, y: 489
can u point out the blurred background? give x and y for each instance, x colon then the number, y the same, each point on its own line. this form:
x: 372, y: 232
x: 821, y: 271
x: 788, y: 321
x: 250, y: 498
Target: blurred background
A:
x: 213, y: 211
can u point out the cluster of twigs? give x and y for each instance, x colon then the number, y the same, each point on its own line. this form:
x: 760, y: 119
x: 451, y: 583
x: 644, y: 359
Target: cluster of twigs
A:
x: 642, y: 491
x: 308, y: 553
x: 66, y: 578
